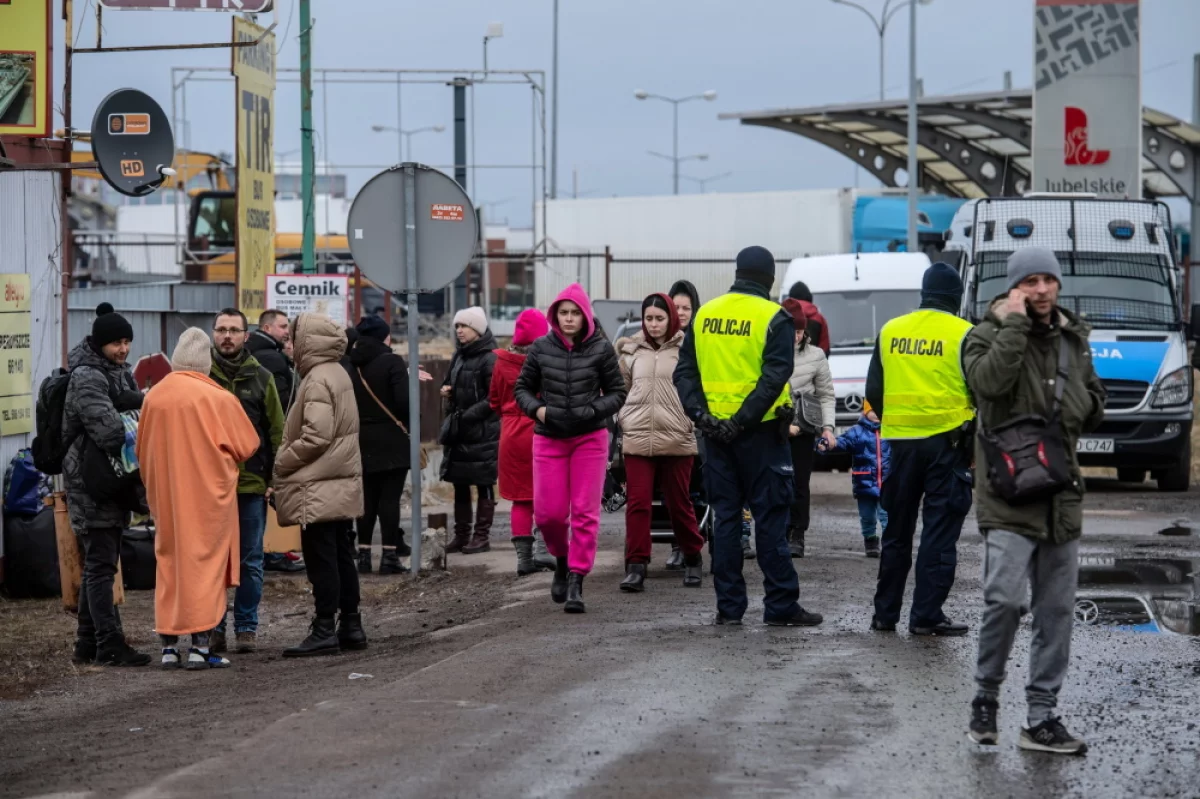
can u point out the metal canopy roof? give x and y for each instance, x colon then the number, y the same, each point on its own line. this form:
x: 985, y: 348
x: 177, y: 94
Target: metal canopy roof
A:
x: 973, y: 145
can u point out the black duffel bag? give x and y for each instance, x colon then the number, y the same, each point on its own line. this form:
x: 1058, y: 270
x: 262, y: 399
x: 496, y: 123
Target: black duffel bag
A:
x: 1027, y: 459
x: 138, y: 563
x: 31, y: 556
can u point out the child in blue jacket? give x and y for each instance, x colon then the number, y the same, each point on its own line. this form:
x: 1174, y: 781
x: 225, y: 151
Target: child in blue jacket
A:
x: 870, y: 466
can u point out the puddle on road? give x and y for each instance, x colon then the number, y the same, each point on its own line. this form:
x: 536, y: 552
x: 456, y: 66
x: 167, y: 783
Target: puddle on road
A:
x: 1139, y: 594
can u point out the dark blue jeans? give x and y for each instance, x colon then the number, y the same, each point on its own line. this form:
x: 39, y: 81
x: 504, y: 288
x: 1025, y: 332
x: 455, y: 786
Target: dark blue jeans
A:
x: 930, y: 477
x: 755, y: 470
x: 252, y: 519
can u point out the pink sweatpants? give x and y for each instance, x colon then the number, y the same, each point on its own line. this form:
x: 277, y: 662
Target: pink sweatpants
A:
x: 568, y: 485
x: 522, y: 519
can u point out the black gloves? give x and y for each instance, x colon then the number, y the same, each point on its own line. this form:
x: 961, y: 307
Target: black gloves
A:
x: 723, y: 430
x: 128, y: 400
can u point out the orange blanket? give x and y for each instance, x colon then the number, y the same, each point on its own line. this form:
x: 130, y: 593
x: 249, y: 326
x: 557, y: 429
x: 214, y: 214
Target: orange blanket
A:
x: 191, y: 438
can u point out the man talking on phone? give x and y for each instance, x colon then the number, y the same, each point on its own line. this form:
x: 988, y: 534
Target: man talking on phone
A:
x: 1014, y: 363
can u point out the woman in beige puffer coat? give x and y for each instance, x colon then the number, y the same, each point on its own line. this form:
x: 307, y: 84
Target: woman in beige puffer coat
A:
x: 318, y: 483
x: 658, y: 442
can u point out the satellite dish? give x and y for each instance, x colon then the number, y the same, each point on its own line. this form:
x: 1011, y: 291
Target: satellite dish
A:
x: 132, y: 142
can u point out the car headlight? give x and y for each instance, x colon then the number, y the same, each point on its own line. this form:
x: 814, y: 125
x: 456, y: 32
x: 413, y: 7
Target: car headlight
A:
x: 1174, y: 389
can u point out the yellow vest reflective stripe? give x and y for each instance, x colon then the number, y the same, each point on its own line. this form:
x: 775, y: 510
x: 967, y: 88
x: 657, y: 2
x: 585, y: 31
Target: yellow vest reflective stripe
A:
x: 731, y: 332
x: 924, y: 391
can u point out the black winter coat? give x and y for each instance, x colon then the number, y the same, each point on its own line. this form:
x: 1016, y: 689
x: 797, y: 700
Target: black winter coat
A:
x: 581, y: 388
x: 383, y: 445
x: 473, y: 443
x: 270, y: 355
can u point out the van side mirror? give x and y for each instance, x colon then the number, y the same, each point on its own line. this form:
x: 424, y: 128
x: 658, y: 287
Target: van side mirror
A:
x: 1194, y: 323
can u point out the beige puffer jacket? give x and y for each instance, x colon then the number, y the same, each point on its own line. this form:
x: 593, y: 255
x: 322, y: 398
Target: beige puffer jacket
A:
x: 652, y: 420
x: 811, y: 375
x: 318, y: 472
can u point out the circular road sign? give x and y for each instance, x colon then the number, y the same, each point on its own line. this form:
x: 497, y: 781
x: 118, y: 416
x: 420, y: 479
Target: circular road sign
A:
x: 447, y: 229
x: 132, y: 141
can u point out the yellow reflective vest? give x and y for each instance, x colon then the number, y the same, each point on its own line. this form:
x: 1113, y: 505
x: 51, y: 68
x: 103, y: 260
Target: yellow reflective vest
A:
x: 731, y: 332
x: 924, y: 390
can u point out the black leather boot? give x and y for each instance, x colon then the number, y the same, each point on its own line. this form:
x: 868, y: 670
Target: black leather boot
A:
x: 635, y: 578
x: 85, y: 652
x: 693, y: 571
x: 796, y: 542
x: 575, y: 594
x: 350, y: 633
x: 675, y: 559
x: 558, y: 586
x: 321, y: 640
x: 390, y: 563
x: 364, y: 560
x: 463, y: 514
x: 524, y: 547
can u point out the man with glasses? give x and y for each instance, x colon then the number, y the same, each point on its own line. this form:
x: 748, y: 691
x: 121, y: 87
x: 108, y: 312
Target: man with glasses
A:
x: 238, y: 371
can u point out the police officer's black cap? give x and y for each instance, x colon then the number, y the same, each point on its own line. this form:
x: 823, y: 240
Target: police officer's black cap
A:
x: 756, y: 261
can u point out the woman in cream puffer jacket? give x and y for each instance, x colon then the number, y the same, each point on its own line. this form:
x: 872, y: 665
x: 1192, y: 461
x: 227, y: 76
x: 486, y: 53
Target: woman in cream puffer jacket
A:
x: 658, y: 442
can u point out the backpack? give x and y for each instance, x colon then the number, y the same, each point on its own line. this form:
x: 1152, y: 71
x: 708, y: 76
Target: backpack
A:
x: 23, y: 486
x: 49, y: 449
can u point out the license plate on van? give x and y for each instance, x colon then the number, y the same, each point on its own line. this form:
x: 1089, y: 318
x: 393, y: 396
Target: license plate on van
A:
x: 1094, y: 445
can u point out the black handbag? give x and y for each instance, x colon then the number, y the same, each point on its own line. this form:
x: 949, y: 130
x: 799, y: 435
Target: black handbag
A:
x: 1026, y: 456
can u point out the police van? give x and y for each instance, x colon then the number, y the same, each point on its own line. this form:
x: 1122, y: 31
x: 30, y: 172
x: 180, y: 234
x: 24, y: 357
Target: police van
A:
x: 857, y: 293
x: 1120, y: 276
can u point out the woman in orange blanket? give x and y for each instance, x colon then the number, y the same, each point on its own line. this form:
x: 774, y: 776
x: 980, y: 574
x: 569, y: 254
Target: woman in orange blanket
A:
x: 191, y: 437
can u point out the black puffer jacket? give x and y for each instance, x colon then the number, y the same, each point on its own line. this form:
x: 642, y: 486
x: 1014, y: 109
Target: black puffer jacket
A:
x: 473, y: 428
x: 580, y: 385
x: 269, y: 354
x: 382, y: 444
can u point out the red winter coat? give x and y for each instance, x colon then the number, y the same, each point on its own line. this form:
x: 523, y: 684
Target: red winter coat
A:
x: 516, y: 429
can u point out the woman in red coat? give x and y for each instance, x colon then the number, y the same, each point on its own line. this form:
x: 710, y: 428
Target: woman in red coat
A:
x: 516, y: 441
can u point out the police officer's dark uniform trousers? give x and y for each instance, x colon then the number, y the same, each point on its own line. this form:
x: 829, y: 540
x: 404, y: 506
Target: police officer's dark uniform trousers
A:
x: 732, y: 378
x: 916, y: 383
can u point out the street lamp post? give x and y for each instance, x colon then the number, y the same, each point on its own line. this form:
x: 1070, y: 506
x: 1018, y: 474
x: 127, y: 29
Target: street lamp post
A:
x: 881, y: 25
x: 641, y: 94
x: 703, y: 182
x: 405, y: 136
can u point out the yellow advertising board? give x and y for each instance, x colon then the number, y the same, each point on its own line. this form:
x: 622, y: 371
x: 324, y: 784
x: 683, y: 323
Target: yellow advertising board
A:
x: 25, y: 68
x: 254, y: 68
x: 16, y: 356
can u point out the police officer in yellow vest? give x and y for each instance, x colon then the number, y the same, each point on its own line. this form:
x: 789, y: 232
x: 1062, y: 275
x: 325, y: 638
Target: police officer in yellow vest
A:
x: 916, y: 385
x: 732, y: 378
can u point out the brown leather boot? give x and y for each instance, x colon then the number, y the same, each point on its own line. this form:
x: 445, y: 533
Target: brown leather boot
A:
x: 484, y: 516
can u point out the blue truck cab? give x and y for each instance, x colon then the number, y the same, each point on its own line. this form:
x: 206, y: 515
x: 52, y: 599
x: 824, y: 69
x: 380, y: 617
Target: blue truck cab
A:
x: 1121, y: 277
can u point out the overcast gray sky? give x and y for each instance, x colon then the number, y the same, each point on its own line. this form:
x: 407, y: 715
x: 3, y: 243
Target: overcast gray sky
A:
x: 756, y: 54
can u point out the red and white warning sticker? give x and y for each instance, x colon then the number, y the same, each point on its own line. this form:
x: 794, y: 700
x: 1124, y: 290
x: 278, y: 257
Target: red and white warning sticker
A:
x: 440, y: 212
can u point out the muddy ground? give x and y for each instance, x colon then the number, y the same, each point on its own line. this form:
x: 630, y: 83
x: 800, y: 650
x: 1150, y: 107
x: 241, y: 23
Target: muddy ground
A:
x: 480, y: 686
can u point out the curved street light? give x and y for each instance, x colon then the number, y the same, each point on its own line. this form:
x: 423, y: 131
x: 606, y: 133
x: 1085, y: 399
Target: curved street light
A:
x: 406, y: 136
x: 881, y: 23
x: 675, y: 102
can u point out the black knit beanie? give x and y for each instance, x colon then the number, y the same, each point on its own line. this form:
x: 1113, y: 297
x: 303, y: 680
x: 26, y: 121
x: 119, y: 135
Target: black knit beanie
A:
x: 109, y: 327
x: 756, y: 264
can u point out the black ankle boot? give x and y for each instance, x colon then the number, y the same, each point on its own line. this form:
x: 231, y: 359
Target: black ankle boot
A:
x: 390, y: 563
x: 85, y: 653
x: 575, y: 594
x: 321, y: 640
x: 364, y: 561
x: 558, y: 586
x: 675, y: 559
x: 693, y: 571
x: 635, y: 578
x: 350, y: 633
x: 119, y: 653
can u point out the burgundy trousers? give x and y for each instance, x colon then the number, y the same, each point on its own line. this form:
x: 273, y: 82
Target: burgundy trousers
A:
x: 673, y: 475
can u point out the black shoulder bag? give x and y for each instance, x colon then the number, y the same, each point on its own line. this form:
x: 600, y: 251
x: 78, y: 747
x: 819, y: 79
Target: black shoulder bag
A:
x: 1027, y: 459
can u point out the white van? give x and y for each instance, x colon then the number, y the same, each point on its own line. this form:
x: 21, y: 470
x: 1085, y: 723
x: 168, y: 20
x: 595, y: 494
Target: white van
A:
x: 857, y: 294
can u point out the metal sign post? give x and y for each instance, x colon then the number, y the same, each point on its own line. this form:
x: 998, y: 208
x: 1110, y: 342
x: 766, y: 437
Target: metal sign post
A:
x: 414, y: 361
x: 412, y: 229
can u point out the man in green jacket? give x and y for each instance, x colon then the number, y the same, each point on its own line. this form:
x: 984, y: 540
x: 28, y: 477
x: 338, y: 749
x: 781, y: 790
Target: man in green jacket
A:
x: 238, y: 371
x: 1011, y: 362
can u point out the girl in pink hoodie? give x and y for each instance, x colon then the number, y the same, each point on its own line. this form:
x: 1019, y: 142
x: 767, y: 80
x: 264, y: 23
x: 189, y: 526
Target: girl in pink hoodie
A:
x: 571, y: 385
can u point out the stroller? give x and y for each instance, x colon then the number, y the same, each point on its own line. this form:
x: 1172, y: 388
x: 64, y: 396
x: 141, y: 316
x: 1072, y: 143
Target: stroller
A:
x: 660, y: 521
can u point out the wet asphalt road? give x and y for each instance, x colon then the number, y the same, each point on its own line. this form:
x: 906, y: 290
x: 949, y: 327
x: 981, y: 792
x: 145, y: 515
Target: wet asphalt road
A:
x: 642, y: 696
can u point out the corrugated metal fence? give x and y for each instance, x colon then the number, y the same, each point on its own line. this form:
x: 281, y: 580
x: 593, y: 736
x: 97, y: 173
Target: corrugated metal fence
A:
x: 31, y: 243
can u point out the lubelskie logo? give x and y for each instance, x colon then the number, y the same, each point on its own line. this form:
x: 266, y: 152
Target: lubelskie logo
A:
x: 1075, y: 141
